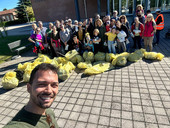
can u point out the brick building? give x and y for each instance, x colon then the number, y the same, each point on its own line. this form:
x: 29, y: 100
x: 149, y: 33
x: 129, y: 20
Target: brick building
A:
x: 50, y: 10
x: 8, y: 15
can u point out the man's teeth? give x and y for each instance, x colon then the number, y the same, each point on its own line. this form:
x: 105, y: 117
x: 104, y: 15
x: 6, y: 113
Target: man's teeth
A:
x: 45, y: 98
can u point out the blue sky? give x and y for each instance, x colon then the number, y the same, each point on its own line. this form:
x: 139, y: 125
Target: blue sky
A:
x: 8, y: 4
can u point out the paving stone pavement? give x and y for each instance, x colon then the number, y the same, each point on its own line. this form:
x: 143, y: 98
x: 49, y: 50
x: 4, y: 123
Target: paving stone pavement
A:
x: 134, y: 96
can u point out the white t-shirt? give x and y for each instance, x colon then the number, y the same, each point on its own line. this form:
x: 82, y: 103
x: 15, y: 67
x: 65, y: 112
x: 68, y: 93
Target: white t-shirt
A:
x: 121, y: 36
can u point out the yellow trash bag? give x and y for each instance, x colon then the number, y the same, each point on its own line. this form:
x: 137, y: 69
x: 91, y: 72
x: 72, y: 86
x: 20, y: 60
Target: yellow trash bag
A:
x: 88, y: 56
x: 140, y: 52
x: 70, y: 54
x: 84, y: 65
x: 110, y: 57
x: 35, y: 63
x: 74, y: 60
x: 43, y: 58
x: 150, y: 55
x: 134, y: 57
x: 154, y: 55
x: 9, y: 80
x: 61, y: 60
x: 27, y: 74
x: 100, y: 56
x: 120, y: 61
x: 54, y: 62
x: 79, y: 59
x: 24, y: 66
x: 160, y: 56
x: 98, y: 68
x: 63, y: 74
x: 124, y: 54
x: 68, y: 66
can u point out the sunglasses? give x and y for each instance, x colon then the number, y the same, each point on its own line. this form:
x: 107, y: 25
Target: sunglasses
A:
x: 49, y: 121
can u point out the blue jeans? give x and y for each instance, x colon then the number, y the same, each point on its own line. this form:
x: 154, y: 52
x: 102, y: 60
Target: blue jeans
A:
x: 111, y: 47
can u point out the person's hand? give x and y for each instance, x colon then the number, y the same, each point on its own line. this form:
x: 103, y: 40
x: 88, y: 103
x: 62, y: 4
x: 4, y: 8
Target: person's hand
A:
x: 65, y: 43
x: 118, y: 40
x: 142, y: 37
x: 152, y: 33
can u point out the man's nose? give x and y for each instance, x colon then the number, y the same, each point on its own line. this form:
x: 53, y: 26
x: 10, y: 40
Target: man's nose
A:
x: 48, y: 88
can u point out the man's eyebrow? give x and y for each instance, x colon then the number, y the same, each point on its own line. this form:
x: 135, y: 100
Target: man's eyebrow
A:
x: 47, y: 82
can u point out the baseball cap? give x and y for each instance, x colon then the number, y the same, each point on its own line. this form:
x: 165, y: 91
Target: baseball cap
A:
x: 157, y: 10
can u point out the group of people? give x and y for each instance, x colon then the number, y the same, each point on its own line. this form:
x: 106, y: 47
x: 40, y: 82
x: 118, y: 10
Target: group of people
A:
x: 109, y: 34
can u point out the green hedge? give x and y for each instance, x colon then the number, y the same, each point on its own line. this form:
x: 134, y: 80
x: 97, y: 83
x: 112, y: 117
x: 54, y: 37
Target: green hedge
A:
x: 10, y: 23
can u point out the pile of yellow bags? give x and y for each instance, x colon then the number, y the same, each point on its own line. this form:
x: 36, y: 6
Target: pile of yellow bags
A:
x: 65, y: 64
x: 9, y: 80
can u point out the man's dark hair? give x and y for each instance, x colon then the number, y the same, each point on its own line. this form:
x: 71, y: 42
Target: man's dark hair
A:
x: 74, y: 36
x: 42, y: 67
x: 148, y: 11
x: 118, y: 29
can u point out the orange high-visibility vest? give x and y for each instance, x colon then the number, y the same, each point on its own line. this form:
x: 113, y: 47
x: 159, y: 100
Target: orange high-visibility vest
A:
x: 161, y: 25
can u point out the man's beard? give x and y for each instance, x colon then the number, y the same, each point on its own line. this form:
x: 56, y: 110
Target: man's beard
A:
x: 41, y: 104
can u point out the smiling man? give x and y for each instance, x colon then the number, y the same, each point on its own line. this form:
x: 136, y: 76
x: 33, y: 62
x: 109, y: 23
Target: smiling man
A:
x: 43, y: 88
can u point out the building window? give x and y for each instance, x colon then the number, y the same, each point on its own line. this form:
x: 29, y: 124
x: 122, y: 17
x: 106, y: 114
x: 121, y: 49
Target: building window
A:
x: 7, y: 17
x: 12, y: 18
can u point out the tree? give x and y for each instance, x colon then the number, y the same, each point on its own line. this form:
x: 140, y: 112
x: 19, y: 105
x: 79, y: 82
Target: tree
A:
x: 24, y: 9
x: 4, y: 9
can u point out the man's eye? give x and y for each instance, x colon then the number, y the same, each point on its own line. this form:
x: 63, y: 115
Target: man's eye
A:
x: 54, y: 85
x: 42, y: 85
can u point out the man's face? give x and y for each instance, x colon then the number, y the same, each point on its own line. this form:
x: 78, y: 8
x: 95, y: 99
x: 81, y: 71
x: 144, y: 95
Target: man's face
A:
x: 40, y: 25
x: 43, y: 89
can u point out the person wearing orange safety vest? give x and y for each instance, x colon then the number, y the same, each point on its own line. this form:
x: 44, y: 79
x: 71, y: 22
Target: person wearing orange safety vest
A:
x: 159, y: 24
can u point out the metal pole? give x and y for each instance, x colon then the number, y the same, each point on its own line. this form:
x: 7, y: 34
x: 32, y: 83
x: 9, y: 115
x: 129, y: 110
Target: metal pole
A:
x: 113, y: 5
x: 85, y: 9
x: 77, y: 10
x: 120, y: 7
x: 134, y: 8
x: 98, y: 7
x: 127, y: 1
x: 25, y: 11
x: 146, y: 5
x: 108, y: 7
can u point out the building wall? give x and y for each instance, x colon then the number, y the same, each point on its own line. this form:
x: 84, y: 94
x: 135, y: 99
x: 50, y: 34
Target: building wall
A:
x: 50, y: 10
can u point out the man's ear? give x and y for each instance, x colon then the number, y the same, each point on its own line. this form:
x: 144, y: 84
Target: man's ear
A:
x: 28, y: 87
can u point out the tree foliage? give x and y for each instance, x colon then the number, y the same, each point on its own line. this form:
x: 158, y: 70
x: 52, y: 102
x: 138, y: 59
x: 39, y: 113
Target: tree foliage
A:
x: 24, y: 7
x: 4, y: 9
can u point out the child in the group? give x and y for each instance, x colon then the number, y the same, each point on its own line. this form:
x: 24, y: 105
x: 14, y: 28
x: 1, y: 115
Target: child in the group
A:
x: 37, y: 40
x: 96, y: 40
x: 121, y: 39
x: 107, y: 26
x: 75, y: 44
x: 111, y: 40
x: 88, y: 43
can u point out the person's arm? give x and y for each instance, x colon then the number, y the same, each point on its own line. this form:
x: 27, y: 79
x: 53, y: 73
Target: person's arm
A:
x: 154, y: 29
x: 106, y: 33
x: 46, y: 38
x: 31, y: 40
